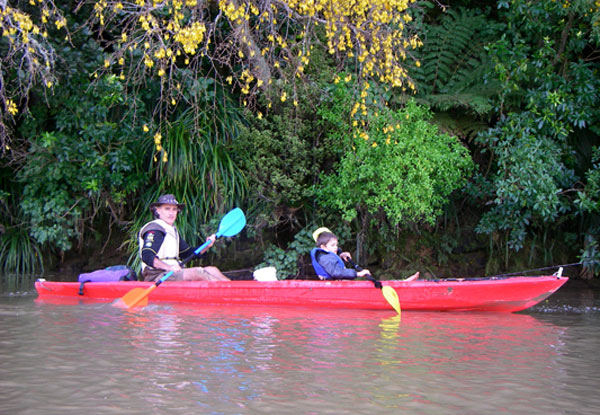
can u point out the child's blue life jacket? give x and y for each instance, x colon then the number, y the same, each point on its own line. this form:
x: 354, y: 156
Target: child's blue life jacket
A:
x: 319, y: 270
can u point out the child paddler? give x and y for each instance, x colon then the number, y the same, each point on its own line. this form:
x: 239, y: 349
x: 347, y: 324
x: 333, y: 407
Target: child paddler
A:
x: 162, y: 249
x: 328, y: 259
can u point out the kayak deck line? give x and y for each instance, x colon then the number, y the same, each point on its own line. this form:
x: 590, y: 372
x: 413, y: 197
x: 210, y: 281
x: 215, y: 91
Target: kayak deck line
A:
x: 497, y: 294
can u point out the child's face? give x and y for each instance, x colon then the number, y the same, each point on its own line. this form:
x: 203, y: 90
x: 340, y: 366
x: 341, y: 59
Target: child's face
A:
x: 331, y: 246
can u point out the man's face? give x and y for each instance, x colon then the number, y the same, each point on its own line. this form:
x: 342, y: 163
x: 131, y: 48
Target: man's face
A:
x: 168, y: 213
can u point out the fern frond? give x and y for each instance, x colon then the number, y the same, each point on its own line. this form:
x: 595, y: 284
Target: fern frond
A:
x: 453, y: 62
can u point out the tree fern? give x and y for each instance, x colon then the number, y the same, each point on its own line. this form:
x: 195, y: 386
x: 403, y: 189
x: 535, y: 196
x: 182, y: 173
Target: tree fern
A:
x: 453, y: 62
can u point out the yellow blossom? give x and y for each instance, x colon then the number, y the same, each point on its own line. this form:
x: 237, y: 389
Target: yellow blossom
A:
x: 12, y: 107
x: 60, y: 23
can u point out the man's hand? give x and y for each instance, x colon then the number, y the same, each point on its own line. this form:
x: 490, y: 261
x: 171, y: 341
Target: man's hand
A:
x: 212, y: 238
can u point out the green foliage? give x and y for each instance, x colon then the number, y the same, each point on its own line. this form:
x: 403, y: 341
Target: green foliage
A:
x: 19, y: 253
x: 399, y: 165
x: 281, y: 150
x: 88, y: 163
x: 526, y: 188
x: 590, y: 256
x: 588, y: 202
x: 588, y: 199
x: 286, y: 260
x: 278, y: 161
x: 453, y: 62
x: 201, y: 165
x: 548, y: 94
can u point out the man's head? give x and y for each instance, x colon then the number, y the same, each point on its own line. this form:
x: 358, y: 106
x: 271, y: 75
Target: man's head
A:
x: 166, y: 208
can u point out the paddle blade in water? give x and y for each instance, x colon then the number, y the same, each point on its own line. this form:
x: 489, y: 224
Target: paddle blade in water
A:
x: 138, y: 297
x: 391, y: 297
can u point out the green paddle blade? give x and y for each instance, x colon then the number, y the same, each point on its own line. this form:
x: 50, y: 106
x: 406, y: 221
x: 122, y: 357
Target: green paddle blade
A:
x: 391, y: 297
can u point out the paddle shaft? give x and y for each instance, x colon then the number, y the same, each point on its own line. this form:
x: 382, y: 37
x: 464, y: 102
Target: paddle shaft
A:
x: 132, y: 302
x: 359, y: 268
x: 185, y: 261
x: 389, y: 293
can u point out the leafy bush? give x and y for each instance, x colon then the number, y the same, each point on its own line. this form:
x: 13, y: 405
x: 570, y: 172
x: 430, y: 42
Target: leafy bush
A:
x: 89, y: 163
x: 548, y: 101
x: 286, y: 261
x: 526, y: 188
x: 396, y: 162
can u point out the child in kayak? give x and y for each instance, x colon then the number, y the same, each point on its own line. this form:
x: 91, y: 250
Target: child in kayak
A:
x: 328, y: 260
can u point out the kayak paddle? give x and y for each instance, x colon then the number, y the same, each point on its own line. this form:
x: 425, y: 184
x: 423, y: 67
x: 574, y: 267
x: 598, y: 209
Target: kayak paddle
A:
x: 389, y: 293
x: 231, y: 224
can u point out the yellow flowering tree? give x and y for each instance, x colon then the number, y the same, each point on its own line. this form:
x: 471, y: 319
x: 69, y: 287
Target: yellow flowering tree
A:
x: 26, y: 56
x: 246, y: 44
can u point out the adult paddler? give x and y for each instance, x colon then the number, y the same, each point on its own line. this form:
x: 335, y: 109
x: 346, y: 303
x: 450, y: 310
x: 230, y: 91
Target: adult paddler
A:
x: 162, y: 249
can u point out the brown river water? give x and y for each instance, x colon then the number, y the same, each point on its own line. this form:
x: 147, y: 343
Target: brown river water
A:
x: 174, y: 359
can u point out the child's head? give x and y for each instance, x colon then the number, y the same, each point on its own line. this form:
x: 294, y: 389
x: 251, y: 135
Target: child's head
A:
x: 328, y: 241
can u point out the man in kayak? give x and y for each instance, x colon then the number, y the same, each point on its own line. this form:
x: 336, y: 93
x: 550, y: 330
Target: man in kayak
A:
x: 328, y: 260
x: 161, y: 247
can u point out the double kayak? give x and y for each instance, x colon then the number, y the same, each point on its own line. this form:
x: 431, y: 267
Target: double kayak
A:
x: 507, y: 294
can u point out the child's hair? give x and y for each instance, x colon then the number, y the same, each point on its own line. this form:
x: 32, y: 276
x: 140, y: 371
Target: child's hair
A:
x: 325, y: 237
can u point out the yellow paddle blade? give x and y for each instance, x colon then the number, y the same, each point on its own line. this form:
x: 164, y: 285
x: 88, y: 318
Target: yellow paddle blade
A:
x: 391, y: 297
x: 137, y: 297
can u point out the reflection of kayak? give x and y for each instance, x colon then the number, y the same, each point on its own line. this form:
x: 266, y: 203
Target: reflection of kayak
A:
x: 493, y: 294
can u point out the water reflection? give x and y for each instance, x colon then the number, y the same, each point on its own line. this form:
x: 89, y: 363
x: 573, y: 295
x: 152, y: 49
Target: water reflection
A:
x: 186, y: 359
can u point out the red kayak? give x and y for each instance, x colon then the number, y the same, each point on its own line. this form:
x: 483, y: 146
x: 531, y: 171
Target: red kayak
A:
x: 491, y: 294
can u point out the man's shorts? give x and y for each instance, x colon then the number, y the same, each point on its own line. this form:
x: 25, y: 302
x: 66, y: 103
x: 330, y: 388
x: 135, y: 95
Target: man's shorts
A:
x: 150, y: 274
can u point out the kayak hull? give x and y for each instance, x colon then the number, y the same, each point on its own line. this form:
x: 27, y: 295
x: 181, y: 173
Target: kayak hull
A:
x: 504, y: 295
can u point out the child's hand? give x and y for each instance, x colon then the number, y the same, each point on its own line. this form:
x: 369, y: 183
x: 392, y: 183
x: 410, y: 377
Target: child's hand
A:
x: 363, y: 273
x: 346, y: 256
